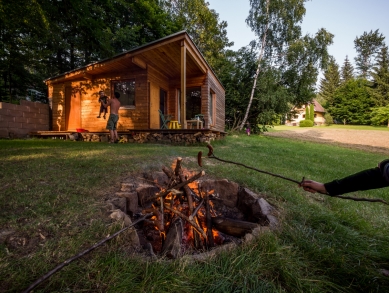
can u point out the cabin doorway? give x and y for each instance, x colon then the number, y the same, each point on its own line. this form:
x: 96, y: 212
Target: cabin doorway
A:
x: 158, y: 101
x: 72, y: 108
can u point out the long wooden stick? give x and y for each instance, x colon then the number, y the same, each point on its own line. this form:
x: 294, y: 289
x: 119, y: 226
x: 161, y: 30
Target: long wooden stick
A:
x: 354, y: 198
x: 68, y: 261
x: 193, y: 223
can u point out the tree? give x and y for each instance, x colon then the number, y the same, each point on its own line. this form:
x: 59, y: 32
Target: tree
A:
x: 312, y: 112
x: 330, y: 82
x: 380, y: 115
x: 347, y: 71
x: 282, y: 48
x: 367, y: 46
x: 307, y: 116
x: 380, y: 75
x: 203, y: 25
x: 351, y: 101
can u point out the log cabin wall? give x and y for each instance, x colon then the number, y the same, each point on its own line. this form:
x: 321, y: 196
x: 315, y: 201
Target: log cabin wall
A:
x: 215, y: 87
x: 130, y: 118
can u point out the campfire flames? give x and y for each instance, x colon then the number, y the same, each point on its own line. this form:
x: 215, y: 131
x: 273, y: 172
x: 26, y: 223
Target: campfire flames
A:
x: 191, y: 206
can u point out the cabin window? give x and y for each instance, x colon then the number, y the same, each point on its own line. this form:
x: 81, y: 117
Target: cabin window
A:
x: 212, y: 108
x: 126, y: 89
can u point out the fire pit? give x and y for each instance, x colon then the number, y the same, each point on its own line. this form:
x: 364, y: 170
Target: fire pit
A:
x: 191, y: 214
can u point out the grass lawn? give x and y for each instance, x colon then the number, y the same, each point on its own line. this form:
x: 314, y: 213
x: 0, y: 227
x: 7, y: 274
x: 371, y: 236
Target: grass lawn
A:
x: 333, y: 126
x: 52, y: 194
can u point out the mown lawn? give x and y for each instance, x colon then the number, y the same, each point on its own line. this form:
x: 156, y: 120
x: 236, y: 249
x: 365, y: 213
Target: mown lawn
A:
x: 333, y: 126
x: 52, y: 194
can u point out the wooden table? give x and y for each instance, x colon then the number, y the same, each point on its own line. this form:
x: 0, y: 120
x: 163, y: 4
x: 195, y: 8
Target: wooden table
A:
x: 199, y: 124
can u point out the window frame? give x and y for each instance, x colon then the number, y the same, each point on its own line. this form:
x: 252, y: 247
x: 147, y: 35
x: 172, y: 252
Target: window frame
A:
x: 113, y: 82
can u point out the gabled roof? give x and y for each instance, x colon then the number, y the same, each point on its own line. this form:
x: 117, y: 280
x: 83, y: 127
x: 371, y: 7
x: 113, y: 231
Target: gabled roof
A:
x: 163, y: 55
x: 318, y: 107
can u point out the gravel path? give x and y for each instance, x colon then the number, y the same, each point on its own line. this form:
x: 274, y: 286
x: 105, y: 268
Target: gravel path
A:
x: 369, y: 140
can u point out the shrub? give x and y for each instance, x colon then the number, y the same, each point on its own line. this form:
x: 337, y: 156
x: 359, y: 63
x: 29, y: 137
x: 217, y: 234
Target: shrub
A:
x: 328, y: 118
x: 306, y: 123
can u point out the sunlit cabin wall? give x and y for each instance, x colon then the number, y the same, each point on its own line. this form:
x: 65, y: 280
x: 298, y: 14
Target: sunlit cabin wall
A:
x: 129, y: 118
x: 212, y: 84
x: 160, y: 81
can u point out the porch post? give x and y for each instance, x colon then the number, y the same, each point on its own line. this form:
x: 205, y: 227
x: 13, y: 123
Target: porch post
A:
x: 183, y: 85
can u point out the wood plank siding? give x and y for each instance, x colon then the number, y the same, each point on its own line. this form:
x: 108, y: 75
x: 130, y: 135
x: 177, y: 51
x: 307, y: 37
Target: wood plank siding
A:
x: 156, y: 70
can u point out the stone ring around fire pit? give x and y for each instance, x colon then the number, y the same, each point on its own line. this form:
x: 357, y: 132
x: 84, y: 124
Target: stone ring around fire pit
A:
x: 221, y: 210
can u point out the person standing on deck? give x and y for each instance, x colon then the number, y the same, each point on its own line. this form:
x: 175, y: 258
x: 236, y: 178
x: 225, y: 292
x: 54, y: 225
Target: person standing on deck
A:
x: 113, y: 119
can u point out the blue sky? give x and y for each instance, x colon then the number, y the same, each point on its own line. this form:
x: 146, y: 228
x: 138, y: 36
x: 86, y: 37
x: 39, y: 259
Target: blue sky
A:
x: 346, y: 19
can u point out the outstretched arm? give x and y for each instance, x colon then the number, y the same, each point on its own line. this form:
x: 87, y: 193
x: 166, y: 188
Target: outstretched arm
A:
x: 367, y: 179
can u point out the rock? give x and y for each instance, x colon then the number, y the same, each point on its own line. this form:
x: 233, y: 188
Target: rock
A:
x: 128, y: 186
x: 120, y: 203
x: 146, y: 195
x: 132, y: 201
x: 131, y: 234
x: 223, y: 190
x: 246, y: 199
x: 159, y: 178
x: 261, y: 212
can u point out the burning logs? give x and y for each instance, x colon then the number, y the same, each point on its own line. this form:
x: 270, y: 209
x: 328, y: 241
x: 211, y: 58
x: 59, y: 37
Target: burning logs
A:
x: 233, y: 227
x: 189, y: 214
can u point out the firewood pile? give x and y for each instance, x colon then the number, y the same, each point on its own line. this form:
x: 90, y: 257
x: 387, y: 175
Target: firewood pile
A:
x: 173, y: 138
x: 190, y: 214
x: 144, y: 137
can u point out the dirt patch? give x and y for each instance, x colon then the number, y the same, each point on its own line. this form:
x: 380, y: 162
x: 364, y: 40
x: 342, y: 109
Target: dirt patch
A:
x: 368, y: 140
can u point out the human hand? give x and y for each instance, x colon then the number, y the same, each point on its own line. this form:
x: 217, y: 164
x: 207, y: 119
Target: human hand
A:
x: 313, y: 186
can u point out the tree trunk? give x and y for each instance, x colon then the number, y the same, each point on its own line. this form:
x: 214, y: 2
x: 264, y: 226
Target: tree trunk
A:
x: 258, y: 69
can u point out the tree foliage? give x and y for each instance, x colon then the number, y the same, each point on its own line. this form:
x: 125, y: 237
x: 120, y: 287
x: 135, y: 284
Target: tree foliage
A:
x: 380, y: 115
x: 52, y: 37
x: 330, y: 82
x: 292, y: 60
x: 380, y: 76
x: 312, y: 112
x: 367, y: 46
x: 352, y: 102
x: 347, y: 71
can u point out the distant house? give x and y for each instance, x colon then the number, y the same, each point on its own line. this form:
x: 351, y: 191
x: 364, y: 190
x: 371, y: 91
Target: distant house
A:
x: 168, y: 76
x: 299, y: 114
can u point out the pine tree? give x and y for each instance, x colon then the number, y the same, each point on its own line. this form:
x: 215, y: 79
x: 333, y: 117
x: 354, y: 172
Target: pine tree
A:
x: 330, y: 82
x: 347, y: 71
x: 380, y: 75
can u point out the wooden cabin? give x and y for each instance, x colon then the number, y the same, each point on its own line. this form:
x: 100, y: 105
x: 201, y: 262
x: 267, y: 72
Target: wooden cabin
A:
x: 149, y: 78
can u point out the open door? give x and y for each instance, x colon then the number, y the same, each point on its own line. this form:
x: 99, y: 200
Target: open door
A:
x: 154, y: 106
x: 72, y: 108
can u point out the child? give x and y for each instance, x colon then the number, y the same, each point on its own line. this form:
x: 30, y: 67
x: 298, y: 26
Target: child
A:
x: 248, y: 130
x: 102, y: 100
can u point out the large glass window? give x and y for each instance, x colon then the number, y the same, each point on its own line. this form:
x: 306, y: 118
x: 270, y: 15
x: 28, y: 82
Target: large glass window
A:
x: 126, y: 89
x: 193, y: 102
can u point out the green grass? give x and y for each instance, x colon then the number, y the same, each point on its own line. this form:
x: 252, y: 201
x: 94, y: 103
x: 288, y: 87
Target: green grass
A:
x: 333, y: 126
x: 52, y: 193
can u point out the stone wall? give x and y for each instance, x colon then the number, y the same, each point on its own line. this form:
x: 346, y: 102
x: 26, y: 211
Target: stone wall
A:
x: 16, y: 121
